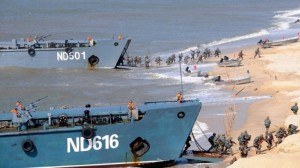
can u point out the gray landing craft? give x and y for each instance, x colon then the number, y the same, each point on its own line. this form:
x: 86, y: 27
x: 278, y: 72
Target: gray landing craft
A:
x: 39, y: 53
x: 88, y: 136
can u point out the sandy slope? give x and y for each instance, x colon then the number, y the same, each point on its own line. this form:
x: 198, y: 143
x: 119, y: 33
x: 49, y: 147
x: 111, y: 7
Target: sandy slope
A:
x: 276, y: 74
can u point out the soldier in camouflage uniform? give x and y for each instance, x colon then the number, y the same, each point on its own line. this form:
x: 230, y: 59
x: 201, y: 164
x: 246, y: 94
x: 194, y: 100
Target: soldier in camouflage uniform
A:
x: 244, y: 151
x: 267, y: 123
x: 216, y: 143
x: 228, y: 145
x: 257, y: 143
x: 247, y: 137
x: 243, y: 142
x: 222, y: 141
x: 279, y: 135
x: 295, y: 108
x: 292, y: 129
x: 269, y: 139
x: 241, y: 139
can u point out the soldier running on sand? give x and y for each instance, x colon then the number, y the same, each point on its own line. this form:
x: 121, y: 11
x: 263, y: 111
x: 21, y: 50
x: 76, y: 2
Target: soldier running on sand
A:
x: 269, y: 139
x: 295, y: 108
x: 257, y: 143
x: 243, y: 142
x: 279, y: 135
x: 292, y: 129
x: 241, y: 54
x: 228, y: 145
x: 267, y: 123
x: 257, y: 52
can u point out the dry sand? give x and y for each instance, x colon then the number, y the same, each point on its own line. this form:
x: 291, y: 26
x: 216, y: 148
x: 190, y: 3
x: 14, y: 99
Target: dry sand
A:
x: 275, y: 74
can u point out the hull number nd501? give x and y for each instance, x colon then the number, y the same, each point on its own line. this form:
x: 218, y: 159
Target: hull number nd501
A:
x: 64, y: 56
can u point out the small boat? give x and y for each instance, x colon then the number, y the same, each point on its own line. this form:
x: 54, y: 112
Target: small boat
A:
x: 269, y: 44
x: 230, y: 63
x: 239, y: 80
x: 109, y: 136
x: 85, y: 54
x: 211, y: 79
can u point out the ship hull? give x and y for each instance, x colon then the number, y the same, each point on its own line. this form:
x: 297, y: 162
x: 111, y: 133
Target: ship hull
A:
x: 107, y: 53
x: 163, y: 128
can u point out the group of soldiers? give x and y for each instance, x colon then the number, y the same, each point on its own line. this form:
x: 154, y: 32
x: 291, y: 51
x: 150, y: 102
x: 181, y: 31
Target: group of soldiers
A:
x: 219, y: 143
x: 195, y: 57
x: 268, y: 138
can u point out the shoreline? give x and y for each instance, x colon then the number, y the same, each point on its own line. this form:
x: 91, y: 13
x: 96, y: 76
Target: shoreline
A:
x: 275, y: 74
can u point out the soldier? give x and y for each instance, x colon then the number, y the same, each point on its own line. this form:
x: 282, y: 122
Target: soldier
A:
x: 211, y: 141
x: 198, y: 52
x: 244, y: 151
x: 158, y: 60
x: 217, y: 52
x: 187, y: 144
x: 199, y: 59
x: 186, y: 59
x: 269, y: 139
x: 180, y: 56
x: 279, y: 135
x: 193, y: 55
x: 130, y: 105
x: 292, y: 129
x: 187, y: 69
x: 241, y: 54
x: 267, y: 123
x: 257, y: 52
x: 147, y: 61
x: 294, y: 108
x: 228, y: 145
x: 19, y: 105
x: 241, y: 139
x: 247, y: 137
x: 257, y: 143
x: 217, y: 142
x: 222, y: 141
x: 179, y: 97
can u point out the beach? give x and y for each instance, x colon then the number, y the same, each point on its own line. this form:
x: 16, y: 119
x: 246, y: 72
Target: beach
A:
x: 275, y: 74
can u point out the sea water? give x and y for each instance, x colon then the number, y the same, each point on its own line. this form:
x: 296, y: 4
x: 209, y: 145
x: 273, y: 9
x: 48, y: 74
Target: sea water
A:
x: 157, y: 28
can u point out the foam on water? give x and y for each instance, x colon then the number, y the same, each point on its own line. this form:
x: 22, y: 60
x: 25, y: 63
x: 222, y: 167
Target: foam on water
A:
x: 284, y: 19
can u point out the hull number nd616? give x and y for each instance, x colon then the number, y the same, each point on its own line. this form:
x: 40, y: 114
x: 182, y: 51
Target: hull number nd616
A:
x: 64, y: 56
x: 96, y: 143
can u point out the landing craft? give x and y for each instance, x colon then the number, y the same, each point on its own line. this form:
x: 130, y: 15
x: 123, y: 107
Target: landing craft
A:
x: 39, y: 53
x: 110, y: 136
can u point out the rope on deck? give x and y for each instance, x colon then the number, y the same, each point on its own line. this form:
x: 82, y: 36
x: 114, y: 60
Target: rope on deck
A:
x: 197, y: 144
